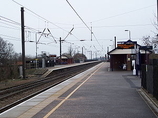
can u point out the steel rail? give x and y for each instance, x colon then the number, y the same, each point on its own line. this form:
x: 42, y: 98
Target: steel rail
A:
x: 53, y: 79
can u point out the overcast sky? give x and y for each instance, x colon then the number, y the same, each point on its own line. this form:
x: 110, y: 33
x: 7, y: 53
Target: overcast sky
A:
x: 108, y: 18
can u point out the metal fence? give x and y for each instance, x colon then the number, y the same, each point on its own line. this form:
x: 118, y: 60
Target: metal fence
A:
x: 149, y: 77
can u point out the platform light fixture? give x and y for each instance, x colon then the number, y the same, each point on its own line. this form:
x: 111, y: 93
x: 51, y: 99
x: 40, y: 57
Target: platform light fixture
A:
x: 129, y: 34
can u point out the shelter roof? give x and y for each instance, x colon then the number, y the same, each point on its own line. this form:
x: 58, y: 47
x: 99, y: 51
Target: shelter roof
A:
x: 121, y: 51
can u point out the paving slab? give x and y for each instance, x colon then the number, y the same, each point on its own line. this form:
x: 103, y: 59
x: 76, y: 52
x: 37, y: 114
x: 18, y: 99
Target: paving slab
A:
x: 106, y: 94
x: 95, y: 93
x: 32, y: 106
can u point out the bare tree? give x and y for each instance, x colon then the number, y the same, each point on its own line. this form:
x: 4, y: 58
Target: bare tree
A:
x: 147, y: 40
x: 6, y: 51
x: 79, y: 57
x: 71, y: 51
x: 8, y: 58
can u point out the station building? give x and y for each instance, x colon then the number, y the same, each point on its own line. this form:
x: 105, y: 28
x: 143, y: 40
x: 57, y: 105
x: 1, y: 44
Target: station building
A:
x: 126, y: 51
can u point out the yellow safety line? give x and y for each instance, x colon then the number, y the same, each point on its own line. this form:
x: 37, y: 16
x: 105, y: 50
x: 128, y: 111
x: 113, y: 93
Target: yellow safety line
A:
x: 55, y: 108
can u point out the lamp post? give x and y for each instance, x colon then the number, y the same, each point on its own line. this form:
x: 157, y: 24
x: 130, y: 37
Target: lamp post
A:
x: 90, y: 54
x: 82, y: 48
x: 82, y: 54
x: 36, y: 49
x: 114, y: 43
x: 129, y: 34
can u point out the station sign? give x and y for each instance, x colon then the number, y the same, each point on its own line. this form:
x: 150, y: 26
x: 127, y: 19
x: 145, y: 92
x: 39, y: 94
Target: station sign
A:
x: 125, y: 46
x: 52, y: 55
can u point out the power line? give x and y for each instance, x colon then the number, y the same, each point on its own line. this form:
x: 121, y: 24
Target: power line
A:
x: 78, y: 15
x: 90, y: 29
x: 15, y: 28
x: 39, y: 16
x: 13, y: 38
x: 43, y: 19
x: 123, y: 13
x: 53, y: 23
x: 98, y: 41
x: 9, y: 20
x: 136, y: 25
x: 115, y: 15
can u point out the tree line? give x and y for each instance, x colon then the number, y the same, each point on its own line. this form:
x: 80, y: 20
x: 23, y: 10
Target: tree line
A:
x: 8, y: 61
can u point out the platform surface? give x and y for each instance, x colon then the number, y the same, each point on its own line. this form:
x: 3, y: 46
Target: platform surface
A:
x: 95, y: 93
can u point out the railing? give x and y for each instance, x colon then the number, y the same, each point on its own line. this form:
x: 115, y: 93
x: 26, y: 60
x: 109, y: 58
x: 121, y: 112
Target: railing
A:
x: 149, y: 78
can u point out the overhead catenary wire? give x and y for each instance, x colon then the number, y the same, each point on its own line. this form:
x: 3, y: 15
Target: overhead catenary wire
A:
x: 44, y: 18
x: 136, y: 25
x: 116, y: 14
x: 12, y: 24
x: 90, y: 29
x: 55, y: 24
x: 11, y: 37
x: 78, y: 15
x: 98, y: 41
x: 39, y: 16
x: 108, y: 26
x: 9, y: 27
x: 9, y: 20
x: 123, y: 13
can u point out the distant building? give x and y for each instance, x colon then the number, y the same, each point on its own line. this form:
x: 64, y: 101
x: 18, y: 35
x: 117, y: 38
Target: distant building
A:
x: 65, y: 59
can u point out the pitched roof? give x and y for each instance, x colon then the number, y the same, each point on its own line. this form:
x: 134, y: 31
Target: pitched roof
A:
x: 121, y: 51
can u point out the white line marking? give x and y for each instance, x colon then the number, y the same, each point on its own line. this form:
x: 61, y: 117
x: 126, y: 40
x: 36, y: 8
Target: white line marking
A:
x: 55, y: 108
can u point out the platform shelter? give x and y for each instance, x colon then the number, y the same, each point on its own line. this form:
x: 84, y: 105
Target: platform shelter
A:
x: 121, y: 57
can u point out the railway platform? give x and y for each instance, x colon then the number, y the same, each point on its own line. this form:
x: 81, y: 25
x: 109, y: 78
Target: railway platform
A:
x: 57, y: 67
x: 95, y: 93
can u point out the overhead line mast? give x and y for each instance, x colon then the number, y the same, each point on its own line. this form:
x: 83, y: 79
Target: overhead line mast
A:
x: 157, y: 12
x: 23, y: 41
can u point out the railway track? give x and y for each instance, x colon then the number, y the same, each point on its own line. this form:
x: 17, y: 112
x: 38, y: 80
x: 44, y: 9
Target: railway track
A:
x: 5, y: 93
x: 28, y: 90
